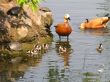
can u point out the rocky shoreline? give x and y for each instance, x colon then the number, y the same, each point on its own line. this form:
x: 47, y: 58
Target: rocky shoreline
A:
x: 26, y: 29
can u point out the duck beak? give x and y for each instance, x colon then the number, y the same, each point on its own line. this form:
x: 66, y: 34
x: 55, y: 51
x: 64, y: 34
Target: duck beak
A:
x: 69, y: 18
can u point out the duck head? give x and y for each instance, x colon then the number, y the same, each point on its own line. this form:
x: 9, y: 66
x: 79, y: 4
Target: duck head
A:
x: 100, y: 48
x: 66, y: 17
x: 87, y: 20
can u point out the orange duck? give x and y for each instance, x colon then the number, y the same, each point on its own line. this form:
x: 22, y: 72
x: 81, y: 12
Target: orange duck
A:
x: 95, y: 23
x: 64, y: 29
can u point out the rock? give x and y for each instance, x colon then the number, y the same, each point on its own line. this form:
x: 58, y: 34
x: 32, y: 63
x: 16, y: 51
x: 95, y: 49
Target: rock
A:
x: 22, y: 31
x: 15, y: 46
x: 36, y: 25
x: 14, y: 11
x: 46, y: 15
x: 17, y: 12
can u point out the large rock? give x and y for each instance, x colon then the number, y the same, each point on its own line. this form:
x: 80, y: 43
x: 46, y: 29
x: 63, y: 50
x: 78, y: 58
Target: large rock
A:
x: 29, y: 26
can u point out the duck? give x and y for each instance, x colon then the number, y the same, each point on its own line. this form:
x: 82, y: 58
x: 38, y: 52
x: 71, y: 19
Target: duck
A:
x: 64, y: 29
x: 45, y: 46
x: 95, y: 23
x: 100, y: 48
x: 32, y: 53
x: 38, y: 48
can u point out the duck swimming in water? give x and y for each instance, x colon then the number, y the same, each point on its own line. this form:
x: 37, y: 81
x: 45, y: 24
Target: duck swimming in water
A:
x: 95, y: 23
x: 100, y: 48
x: 64, y: 29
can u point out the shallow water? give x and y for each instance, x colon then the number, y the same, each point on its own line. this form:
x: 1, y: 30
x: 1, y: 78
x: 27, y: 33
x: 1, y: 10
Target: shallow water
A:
x: 81, y: 62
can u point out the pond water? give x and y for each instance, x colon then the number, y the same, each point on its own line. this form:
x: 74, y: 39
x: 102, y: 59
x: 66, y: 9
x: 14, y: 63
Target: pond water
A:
x: 81, y: 62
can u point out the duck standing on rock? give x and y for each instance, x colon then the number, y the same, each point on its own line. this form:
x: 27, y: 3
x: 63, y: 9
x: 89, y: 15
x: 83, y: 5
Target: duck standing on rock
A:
x: 95, y: 23
x: 64, y: 29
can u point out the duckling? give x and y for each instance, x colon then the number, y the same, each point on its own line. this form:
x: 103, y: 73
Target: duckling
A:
x: 45, y: 46
x: 64, y: 29
x: 38, y: 47
x: 95, y: 23
x: 29, y: 53
x: 32, y: 53
x: 62, y: 49
x: 100, y: 48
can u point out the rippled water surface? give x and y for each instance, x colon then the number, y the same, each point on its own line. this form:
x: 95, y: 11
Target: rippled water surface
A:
x: 81, y: 62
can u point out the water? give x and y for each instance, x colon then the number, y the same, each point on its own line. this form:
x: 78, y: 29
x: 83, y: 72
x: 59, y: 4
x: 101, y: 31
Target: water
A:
x: 82, y: 62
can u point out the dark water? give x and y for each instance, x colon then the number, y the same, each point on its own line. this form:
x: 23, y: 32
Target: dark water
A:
x: 81, y: 62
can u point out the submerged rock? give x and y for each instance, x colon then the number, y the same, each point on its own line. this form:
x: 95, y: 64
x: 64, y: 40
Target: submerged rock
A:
x: 15, y: 46
x: 16, y: 60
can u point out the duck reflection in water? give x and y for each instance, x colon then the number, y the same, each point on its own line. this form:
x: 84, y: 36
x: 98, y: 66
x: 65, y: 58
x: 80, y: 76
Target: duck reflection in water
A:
x: 97, y: 32
x: 64, y: 50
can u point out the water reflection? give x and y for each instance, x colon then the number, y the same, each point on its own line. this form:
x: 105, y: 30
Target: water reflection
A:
x: 90, y: 77
x: 63, y: 48
x: 60, y: 73
x: 10, y: 73
x: 3, y: 46
x: 98, y: 32
x: 55, y: 74
x: 13, y: 71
